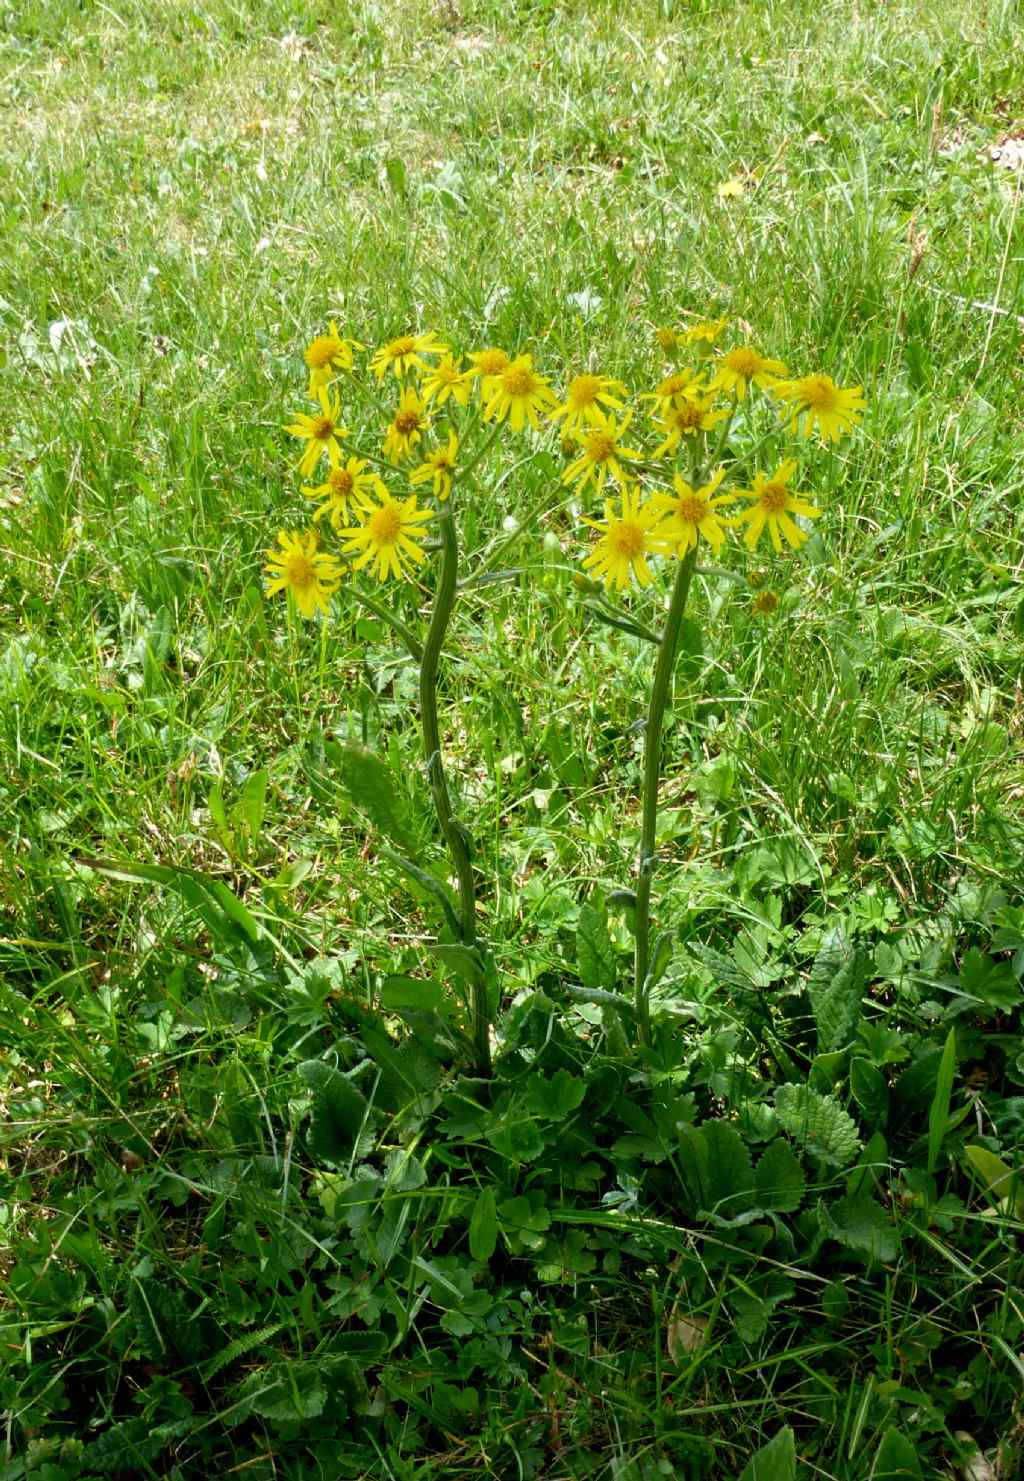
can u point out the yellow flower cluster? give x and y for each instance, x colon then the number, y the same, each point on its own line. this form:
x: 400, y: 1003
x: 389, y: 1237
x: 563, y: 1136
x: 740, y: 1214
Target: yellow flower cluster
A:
x: 443, y: 398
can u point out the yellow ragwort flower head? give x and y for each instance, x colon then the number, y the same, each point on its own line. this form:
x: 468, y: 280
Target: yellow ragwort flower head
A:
x: 704, y: 332
x: 301, y: 570
x: 772, y: 504
x: 438, y: 468
x: 407, y: 426
x: 817, y: 400
x: 327, y: 354
x: 668, y: 339
x: 690, y: 513
x: 321, y: 432
x: 446, y: 379
x: 601, y: 453
x: 679, y: 383
x: 403, y: 354
x: 487, y: 364
x: 344, y: 490
x: 390, y: 537
x: 743, y: 367
x: 685, y: 417
x: 765, y: 603
x: 584, y: 397
x: 627, y: 539
x: 519, y: 394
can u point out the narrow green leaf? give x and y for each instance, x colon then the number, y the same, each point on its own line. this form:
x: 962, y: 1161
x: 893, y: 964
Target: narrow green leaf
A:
x: 251, y: 806
x: 938, y: 1112
x: 483, y: 1226
x: 1001, y: 1181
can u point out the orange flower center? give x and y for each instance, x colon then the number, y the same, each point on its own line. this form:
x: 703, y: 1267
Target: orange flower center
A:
x: 819, y: 392
x: 407, y: 422
x: 492, y: 362
x: 627, y: 539
x: 687, y: 415
x: 385, y: 525
x: 674, y: 384
x: 340, y: 481
x: 774, y: 498
x: 300, y: 571
x: 692, y: 508
x: 322, y: 351
x: 743, y: 361
x: 404, y: 345
x: 322, y: 429
x: 600, y: 447
x: 519, y: 381
x: 583, y: 390
x: 766, y: 602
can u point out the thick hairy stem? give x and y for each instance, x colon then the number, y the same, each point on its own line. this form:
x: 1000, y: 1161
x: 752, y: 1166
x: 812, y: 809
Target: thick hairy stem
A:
x: 652, y: 772
x: 454, y: 834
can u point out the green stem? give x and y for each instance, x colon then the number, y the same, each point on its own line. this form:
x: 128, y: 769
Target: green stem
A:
x: 395, y: 623
x: 652, y: 771
x: 455, y: 836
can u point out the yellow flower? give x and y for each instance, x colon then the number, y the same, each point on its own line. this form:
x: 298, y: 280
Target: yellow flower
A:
x: 387, y: 538
x: 488, y: 364
x: 320, y: 432
x: 668, y: 340
x: 765, y: 603
x: 679, y: 383
x: 403, y: 354
x: 601, y: 454
x: 771, y: 505
x: 298, y: 568
x: 817, y: 399
x: 730, y: 189
x: 582, y: 396
x: 691, y: 513
x: 742, y: 367
x: 518, y: 393
x: 346, y: 484
x: 407, y: 426
x: 439, y: 466
x: 326, y: 354
x: 685, y: 417
x: 446, y: 379
x: 704, y: 332
x: 627, y: 539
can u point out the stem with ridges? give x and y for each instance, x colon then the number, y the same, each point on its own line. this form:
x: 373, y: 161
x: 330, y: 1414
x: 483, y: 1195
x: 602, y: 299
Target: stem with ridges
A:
x: 652, y: 771
x: 454, y: 835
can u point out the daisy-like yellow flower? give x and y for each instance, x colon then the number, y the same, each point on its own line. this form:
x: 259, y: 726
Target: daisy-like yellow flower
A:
x: 519, y: 394
x: 321, y: 432
x: 304, y: 572
x: 816, y: 399
x: 771, y: 505
x: 705, y: 332
x: 584, y: 397
x: 743, y: 367
x: 668, y: 340
x: 765, y: 603
x: 601, y: 454
x: 446, y: 379
x: 731, y: 189
x: 487, y: 364
x: 685, y: 417
x: 345, y: 488
x: 407, y: 426
x: 627, y: 539
x: 387, y: 538
x: 691, y: 513
x: 327, y: 354
x: 679, y: 383
x: 403, y: 354
x: 439, y: 467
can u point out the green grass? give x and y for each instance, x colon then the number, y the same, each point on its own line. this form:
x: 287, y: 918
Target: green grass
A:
x: 187, y: 194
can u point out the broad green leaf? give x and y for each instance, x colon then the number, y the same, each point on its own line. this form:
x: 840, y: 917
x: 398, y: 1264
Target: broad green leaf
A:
x: 339, y: 1111
x: 896, y: 1459
x: 412, y: 992
x: 377, y: 791
x: 870, y: 1091
x: 779, y: 1179
x: 775, y: 1461
x: 835, y: 988
x: 557, y: 1097
x: 1001, y: 1181
x: 690, y: 651
x: 483, y: 1226
x: 938, y: 1111
x: 729, y: 1175
x: 861, y: 1224
x: 466, y: 962
x: 595, y: 955
x: 817, y: 1123
x: 252, y: 803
